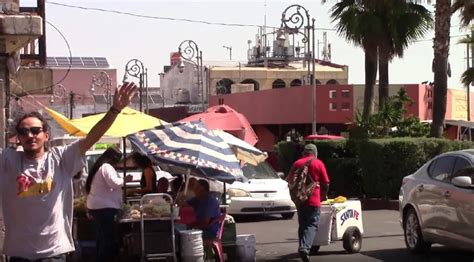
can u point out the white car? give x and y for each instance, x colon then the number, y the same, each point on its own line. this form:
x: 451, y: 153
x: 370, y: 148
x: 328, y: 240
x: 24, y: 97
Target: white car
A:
x: 264, y: 193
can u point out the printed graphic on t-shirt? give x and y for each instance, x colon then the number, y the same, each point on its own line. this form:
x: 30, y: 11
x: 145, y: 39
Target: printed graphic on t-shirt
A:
x: 29, y: 187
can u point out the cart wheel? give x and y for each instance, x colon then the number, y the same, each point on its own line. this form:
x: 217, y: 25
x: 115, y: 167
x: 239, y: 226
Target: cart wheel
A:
x: 352, y: 240
x: 314, y: 250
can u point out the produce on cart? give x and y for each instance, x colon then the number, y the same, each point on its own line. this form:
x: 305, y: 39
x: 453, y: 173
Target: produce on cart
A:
x: 150, y: 210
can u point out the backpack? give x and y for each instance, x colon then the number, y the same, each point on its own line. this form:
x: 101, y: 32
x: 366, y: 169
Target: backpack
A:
x: 301, y: 184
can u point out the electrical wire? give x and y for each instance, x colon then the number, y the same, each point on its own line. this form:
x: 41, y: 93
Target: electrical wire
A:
x: 70, y: 60
x: 426, y: 40
x: 167, y: 18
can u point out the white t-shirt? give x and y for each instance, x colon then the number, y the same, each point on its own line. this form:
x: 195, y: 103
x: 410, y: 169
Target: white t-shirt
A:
x: 106, y: 189
x: 37, y: 201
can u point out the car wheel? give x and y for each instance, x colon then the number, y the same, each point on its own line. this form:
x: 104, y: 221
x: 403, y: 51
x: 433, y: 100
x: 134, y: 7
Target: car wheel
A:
x: 288, y: 215
x: 412, y: 232
x: 314, y: 250
x: 352, y: 240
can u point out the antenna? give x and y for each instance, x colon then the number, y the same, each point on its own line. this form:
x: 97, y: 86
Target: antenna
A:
x: 325, y: 46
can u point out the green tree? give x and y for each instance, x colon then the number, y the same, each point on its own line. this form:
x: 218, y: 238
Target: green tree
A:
x: 468, y: 76
x: 391, y: 119
x: 358, y: 23
x: 466, y: 10
x: 440, y: 64
x: 384, y: 29
x: 466, y: 13
x: 404, y: 22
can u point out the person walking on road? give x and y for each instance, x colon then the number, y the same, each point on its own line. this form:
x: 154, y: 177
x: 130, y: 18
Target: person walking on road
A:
x: 36, y: 186
x: 309, y: 211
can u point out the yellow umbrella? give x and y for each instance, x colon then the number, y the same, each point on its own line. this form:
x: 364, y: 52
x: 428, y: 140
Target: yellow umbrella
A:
x: 128, y: 121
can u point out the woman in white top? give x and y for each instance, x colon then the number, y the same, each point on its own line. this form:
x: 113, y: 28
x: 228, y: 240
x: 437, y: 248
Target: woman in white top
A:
x: 104, y: 200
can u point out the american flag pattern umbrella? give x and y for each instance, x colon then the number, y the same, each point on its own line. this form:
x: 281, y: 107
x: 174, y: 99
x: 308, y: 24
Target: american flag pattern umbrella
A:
x: 190, y: 145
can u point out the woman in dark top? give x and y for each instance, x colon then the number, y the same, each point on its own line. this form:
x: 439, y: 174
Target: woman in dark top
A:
x: 148, y: 179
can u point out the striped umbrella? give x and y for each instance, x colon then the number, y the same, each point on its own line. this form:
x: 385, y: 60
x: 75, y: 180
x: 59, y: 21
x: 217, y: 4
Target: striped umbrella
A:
x: 190, y: 145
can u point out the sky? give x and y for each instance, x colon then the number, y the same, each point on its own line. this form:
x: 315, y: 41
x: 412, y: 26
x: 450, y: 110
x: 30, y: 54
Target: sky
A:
x: 120, y: 38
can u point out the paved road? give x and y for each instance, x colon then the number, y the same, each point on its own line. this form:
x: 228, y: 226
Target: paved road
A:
x: 383, y: 241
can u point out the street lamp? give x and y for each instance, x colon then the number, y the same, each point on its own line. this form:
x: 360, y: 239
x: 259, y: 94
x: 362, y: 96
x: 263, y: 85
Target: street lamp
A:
x: 230, y: 51
x: 102, y: 80
x: 298, y: 19
x: 59, y: 91
x: 189, y: 51
x: 134, y: 68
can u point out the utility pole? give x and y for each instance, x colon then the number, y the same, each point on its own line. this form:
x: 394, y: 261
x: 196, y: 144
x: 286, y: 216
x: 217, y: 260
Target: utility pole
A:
x: 71, y: 105
x: 468, y: 88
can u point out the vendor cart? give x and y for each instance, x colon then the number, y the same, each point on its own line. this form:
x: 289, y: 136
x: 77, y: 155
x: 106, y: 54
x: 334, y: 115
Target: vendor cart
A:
x: 151, y: 236
x: 340, y: 221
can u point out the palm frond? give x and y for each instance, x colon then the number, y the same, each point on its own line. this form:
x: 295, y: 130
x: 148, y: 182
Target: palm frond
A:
x: 468, y: 76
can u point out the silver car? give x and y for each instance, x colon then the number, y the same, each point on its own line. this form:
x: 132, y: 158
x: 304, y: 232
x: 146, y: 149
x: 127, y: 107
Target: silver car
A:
x: 437, y: 203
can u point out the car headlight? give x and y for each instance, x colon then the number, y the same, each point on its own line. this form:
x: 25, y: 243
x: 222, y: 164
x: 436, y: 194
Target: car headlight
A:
x: 235, y: 192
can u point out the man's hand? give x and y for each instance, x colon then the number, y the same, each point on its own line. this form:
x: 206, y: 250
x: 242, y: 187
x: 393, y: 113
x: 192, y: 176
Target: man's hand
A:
x: 122, y: 98
x: 123, y: 95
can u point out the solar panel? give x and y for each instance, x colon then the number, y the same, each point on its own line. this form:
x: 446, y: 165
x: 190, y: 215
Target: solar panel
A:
x: 78, y: 62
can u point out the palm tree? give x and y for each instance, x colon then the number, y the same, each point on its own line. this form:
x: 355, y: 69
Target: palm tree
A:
x: 468, y: 76
x: 384, y: 29
x: 358, y: 23
x: 405, y: 22
x: 466, y: 8
x: 440, y: 64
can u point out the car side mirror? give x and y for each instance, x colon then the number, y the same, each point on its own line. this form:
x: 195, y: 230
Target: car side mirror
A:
x: 462, y: 181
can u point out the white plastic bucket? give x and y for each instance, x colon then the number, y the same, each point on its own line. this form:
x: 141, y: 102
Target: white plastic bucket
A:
x: 246, y: 250
x: 192, y: 249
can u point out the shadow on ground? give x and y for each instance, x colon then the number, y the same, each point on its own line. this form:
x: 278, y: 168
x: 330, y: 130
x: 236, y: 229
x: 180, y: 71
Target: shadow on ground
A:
x: 437, y: 254
x: 256, y: 218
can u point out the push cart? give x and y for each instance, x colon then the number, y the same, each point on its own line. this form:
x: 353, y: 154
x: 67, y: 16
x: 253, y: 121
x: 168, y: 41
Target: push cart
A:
x: 152, y: 235
x: 340, y: 221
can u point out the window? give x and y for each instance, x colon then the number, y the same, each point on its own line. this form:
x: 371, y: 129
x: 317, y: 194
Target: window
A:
x: 332, y: 106
x: 332, y: 93
x: 332, y: 82
x: 278, y: 84
x: 442, y: 168
x: 346, y: 106
x: 223, y: 86
x: 461, y: 164
x: 296, y: 82
x: 345, y: 94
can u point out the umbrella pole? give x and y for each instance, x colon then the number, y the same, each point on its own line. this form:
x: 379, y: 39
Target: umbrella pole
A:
x: 188, y: 174
x: 124, y: 169
x: 224, y: 198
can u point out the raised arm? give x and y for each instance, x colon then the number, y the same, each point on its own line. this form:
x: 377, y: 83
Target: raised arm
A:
x: 122, y: 98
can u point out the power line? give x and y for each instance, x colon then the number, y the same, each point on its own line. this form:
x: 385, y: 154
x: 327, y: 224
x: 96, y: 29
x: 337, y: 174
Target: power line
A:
x: 168, y: 18
x: 426, y: 40
x: 70, y: 60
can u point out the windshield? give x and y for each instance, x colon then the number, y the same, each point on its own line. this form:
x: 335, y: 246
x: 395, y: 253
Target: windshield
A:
x: 262, y: 171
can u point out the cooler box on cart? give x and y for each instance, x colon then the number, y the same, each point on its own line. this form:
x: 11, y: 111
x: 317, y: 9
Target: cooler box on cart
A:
x: 340, y: 221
